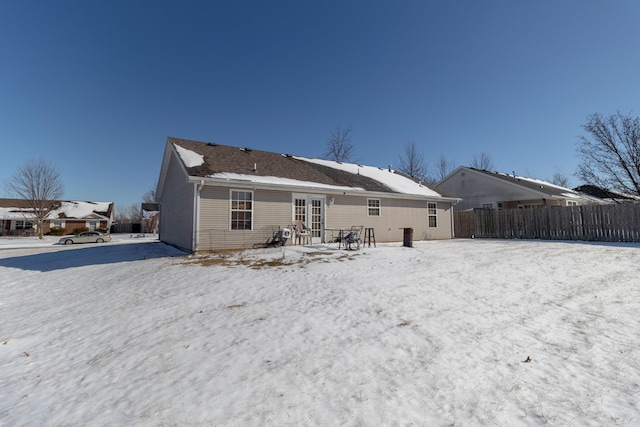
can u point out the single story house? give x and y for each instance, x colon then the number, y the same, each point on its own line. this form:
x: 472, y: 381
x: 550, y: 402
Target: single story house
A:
x: 17, y: 218
x: 482, y: 189
x: 213, y: 196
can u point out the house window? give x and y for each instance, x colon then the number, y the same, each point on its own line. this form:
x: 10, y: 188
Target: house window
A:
x: 300, y: 210
x: 373, y: 207
x: 23, y: 225
x: 487, y: 205
x: 92, y: 225
x: 572, y: 203
x: 432, y: 213
x: 56, y: 223
x: 241, y: 210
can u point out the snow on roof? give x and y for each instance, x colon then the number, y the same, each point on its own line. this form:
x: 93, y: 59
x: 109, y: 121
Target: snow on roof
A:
x: 14, y: 213
x: 277, y: 180
x: 396, y: 182
x: 190, y: 158
x: 70, y: 209
x: 76, y: 209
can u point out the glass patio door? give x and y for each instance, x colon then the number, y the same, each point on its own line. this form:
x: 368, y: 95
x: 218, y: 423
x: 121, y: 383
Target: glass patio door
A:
x: 310, y: 210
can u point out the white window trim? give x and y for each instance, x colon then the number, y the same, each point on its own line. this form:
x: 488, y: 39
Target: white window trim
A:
x: 253, y: 203
x: 429, y: 215
x: 493, y: 205
x: 379, y: 207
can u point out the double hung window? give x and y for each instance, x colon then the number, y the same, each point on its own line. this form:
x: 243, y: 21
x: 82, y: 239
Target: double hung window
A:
x: 241, y: 210
x: 373, y: 207
x: 432, y: 213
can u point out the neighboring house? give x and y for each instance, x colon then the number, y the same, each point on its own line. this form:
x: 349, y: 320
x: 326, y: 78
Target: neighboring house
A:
x: 481, y: 189
x: 607, y: 195
x: 16, y: 218
x: 213, y: 196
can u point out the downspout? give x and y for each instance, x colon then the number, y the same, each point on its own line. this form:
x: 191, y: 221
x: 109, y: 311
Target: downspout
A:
x: 196, y: 214
x: 453, y: 225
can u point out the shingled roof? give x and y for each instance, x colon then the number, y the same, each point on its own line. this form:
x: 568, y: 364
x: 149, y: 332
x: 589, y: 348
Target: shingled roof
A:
x: 223, y: 159
x: 532, y: 184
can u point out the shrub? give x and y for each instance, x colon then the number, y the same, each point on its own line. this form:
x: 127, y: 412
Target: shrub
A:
x: 103, y: 230
x: 80, y: 230
x: 57, y: 231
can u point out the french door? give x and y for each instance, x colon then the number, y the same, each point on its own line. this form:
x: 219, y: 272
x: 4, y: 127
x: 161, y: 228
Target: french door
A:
x: 310, y: 210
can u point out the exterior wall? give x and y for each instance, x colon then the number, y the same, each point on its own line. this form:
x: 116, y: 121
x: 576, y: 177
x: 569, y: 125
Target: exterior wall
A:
x: 537, y: 202
x: 395, y: 215
x: 72, y: 224
x: 271, y: 210
x: 274, y: 209
x: 176, y: 206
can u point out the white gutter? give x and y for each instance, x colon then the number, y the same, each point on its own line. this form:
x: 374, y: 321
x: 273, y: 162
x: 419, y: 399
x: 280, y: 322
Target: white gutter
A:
x: 320, y: 189
x: 197, y: 187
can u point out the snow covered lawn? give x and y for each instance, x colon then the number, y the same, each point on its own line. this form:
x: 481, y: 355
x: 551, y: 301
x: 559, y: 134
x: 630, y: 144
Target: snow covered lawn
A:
x: 464, y: 332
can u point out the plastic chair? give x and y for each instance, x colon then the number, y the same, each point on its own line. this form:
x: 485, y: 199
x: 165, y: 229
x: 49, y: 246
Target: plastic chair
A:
x: 303, y: 233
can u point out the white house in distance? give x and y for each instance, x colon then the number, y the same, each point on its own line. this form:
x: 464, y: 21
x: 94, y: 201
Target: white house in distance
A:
x: 481, y: 189
x: 213, y: 196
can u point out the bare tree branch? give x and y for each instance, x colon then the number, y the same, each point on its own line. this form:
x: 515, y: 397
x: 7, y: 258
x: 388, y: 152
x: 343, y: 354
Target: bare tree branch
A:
x: 339, y: 146
x: 443, y: 168
x: 412, y: 162
x: 149, y: 196
x: 559, y: 179
x: 39, y: 184
x: 610, y: 152
x: 482, y: 161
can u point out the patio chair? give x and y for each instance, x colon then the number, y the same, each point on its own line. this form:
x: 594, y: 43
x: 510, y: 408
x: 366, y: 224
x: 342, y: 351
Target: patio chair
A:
x: 354, y: 236
x: 303, y: 233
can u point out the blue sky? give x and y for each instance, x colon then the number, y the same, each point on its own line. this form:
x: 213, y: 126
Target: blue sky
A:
x: 96, y: 87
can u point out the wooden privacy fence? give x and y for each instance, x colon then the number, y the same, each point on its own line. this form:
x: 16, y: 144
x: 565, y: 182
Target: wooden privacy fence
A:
x: 607, y: 223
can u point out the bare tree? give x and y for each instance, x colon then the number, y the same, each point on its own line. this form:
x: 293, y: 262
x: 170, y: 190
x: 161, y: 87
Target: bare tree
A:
x: 39, y: 184
x: 149, y: 196
x: 129, y: 214
x: 610, y: 152
x: 150, y: 216
x: 412, y: 162
x: 482, y: 161
x: 443, y: 168
x: 339, y: 146
x: 559, y: 179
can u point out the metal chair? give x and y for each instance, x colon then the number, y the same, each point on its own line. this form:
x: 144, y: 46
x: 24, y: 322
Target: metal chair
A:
x: 354, y: 236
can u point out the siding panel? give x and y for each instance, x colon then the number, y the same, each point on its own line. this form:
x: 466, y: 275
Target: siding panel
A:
x: 176, y: 208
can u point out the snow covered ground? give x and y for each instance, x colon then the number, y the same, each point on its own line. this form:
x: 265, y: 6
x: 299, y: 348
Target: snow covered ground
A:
x: 463, y: 332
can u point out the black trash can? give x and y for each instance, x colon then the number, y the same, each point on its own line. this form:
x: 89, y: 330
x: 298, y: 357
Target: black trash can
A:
x: 408, y: 238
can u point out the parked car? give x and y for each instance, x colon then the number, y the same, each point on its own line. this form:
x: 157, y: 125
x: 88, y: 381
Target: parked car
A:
x: 86, y: 237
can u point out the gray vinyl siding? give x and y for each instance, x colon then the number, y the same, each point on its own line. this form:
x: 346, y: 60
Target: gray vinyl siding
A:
x: 176, y: 207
